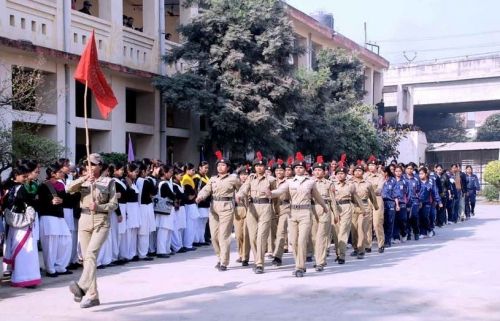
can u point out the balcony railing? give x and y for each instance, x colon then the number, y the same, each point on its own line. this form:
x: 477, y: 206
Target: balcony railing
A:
x: 139, y: 50
x: 81, y: 28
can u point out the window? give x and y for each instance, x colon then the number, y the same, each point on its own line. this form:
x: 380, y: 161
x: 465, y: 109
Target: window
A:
x: 130, y: 106
x: 79, y: 103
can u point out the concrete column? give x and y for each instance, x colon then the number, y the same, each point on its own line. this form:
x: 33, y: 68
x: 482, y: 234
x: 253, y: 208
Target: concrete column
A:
x: 118, y: 117
x: 309, y: 51
x: 378, y: 86
x: 405, y: 106
x: 409, y: 105
x: 369, y: 86
x: 112, y: 11
x: 186, y: 14
x: 157, y: 132
x: 5, y: 77
x: 61, y: 104
x: 163, y: 130
x: 70, y: 141
x: 161, y: 41
x: 151, y: 16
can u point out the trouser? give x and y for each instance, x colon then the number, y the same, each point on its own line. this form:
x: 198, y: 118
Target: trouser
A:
x: 377, y: 224
x: 123, y: 251
x: 221, y: 225
x: 176, y: 239
x: 56, y: 251
x: 359, y: 229
x: 299, y: 231
x: 456, y: 208
x: 74, y: 244
x: 143, y: 245
x: 200, y: 233
x: 450, y: 208
x: 259, y: 217
x: 470, y: 203
x: 441, y: 212
x: 414, y: 218
x: 163, y: 240
x: 401, y: 222
x: 321, y: 225
x: 432, y: 216
x: 115, y: 237
x: 153, y: 236
x: 342, y: 229
x: 192, y: 216
x: 92, y: 232
x: 241, y: 233
x: 461, y: 207
x: 131, y: 235
x: 389, y: 216
x: 281, y: 234
x: 271, y: 240
x: 423, y: 216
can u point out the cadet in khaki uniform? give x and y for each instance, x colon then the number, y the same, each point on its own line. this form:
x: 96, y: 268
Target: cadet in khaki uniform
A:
x: 322, y: 220
x: 302, y: 191
x: 260, y: 210
x: 345, y: 195
x: 361, y: 216
x: 282, y: 210
x: 271, y: 240
x: 240, y: 223
x: 222, y: 188
x: 377, y: 221
x: 98, y: 198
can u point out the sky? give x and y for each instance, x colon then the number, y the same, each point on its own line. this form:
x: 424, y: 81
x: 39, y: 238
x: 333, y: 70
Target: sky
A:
x: 425, y: 29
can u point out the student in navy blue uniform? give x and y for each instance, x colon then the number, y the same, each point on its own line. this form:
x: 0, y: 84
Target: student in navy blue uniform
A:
x: 461, y: 185
x: 473, y: 187
x: 391, y: 195
x: 436, y: 182
x: 413, y: 205
x: 444, y: 193
x: 401, y: 221
x: 427, y: 195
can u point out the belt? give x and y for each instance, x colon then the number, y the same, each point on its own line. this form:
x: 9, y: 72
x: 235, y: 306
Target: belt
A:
x: 365, y: 201
x: 222, y: 199
x: 284, y: 202
x: 260, y: 200
x: 344, y: 202
x: 86, y: 211
x: 301, y: 207
x: 326, y: 200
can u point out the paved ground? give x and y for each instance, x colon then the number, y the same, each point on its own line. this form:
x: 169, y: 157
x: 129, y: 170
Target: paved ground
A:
x: 453, y: 276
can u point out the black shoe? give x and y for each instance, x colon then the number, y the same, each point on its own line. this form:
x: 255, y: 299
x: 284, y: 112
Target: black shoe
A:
x: 223, y: 268
x: 67, y: 272
x: 417, y: 237
x: 337, y: 259
x: 120, y: 262
x: 387, y: 245
x: 217, y: 266
x: 147, y: 258
x: 368, y: 250
x: 90, y: 303
x: 276, y: 261
x: 162, y: 256
x: 239, y: 260
x: 73, y: 266
x: 309, y: 259
x: 319, y: 268
x: 77, y: 291
x: 298, y: 273
x: 101, y: 267
x: 354, y: 253
x: 190, y: 249
x: 259, y: 270
x: 341, y: 261
x: 135, y: 259
x: 51, y: 275
x: 244, y: 263
x: 206, y: 243
x: 151, y: 254
x: 182, y: 250
x: 361, y: 256
x: 381, y: 250
x: 196, y: 244
x: 473, y: 213
x: 408, y: 238
x: 285, y: 251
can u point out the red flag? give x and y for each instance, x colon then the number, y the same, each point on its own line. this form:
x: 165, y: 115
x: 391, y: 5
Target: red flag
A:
x: 88, y: 71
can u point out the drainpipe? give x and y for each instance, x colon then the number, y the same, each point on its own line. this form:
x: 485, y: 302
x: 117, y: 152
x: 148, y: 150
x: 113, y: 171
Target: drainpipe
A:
x: 67, y: 78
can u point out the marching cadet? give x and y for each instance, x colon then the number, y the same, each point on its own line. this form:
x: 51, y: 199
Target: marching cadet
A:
x: 282, y: 210
x: 391, y: 194
x: 98, y: 198
x: 345, y: 196
x: 289, y: 168
x: 274, y: 221
x: 222, y: 188
x: 260, y: 210
x: 473, y: 186
x: 377, y: 220
x: 322, y: 220
x: 302, y: 190
x: 362, y: 212
x: 240, y: 223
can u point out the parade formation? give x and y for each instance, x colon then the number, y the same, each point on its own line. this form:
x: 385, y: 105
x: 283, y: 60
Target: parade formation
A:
x: 112, y: 214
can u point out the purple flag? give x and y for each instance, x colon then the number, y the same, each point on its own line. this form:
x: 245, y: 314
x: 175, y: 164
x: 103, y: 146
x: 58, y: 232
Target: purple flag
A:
x: 131, y: 156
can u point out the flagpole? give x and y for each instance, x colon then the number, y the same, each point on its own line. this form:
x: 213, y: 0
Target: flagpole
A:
x: 87, y: 139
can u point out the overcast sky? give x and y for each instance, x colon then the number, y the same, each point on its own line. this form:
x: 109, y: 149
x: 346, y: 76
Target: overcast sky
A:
x: 430, y: 28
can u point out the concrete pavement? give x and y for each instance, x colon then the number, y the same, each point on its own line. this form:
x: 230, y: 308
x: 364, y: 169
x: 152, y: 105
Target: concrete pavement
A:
x: 453, y: 276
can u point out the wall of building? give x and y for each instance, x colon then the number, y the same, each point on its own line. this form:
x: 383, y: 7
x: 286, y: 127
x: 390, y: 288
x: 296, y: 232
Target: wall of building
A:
x: 412, y: 148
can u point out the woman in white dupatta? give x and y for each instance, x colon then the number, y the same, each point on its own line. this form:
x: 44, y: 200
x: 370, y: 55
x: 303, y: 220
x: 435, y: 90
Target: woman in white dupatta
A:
x: 192, y: 214
x: 164, y: 202
x: 179, y: 212
x: 133, y: 213
x: 21, y: 246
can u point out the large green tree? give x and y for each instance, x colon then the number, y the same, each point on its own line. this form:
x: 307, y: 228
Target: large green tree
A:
x: 490, y: 130
x: 237, y: 74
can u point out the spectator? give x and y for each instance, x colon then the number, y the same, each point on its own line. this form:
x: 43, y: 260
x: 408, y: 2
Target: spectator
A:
x: 86, y: 7
x: 125, y: 21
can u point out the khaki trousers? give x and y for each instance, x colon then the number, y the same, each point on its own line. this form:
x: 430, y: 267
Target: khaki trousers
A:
x: 258, y: 219
x: 281, y: 234
x: 92, y: 232
x: 359, y: 230
x: 299, y: 232
x: 241, y: 233
x: 221, y: 225
x: 342, y: 229
x: 377, y: 223
x: 321, y: 225
x: 271, y: 240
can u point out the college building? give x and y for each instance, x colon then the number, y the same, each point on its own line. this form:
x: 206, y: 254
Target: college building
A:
x: 131, y: 37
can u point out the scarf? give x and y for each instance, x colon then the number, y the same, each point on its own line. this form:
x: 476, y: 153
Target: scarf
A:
x: 187, y: 180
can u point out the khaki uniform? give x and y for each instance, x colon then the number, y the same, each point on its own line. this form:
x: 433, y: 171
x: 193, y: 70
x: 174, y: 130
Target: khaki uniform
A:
x: 322, y: 221
x: 241, y: 231
x: 259, y: 214
x: 282, y: 210
x: 377, y: 221
x: 93, y: 226
x: 345, y: 195
x: 302, y: 190
x: 222, y: 189
x: 361, y: 217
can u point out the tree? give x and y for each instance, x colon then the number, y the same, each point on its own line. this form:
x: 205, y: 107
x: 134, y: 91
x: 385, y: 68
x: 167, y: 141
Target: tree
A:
x: 492, y: 173
x: 237, y: 74
x: 490, y: 130
x: 443, y: 128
